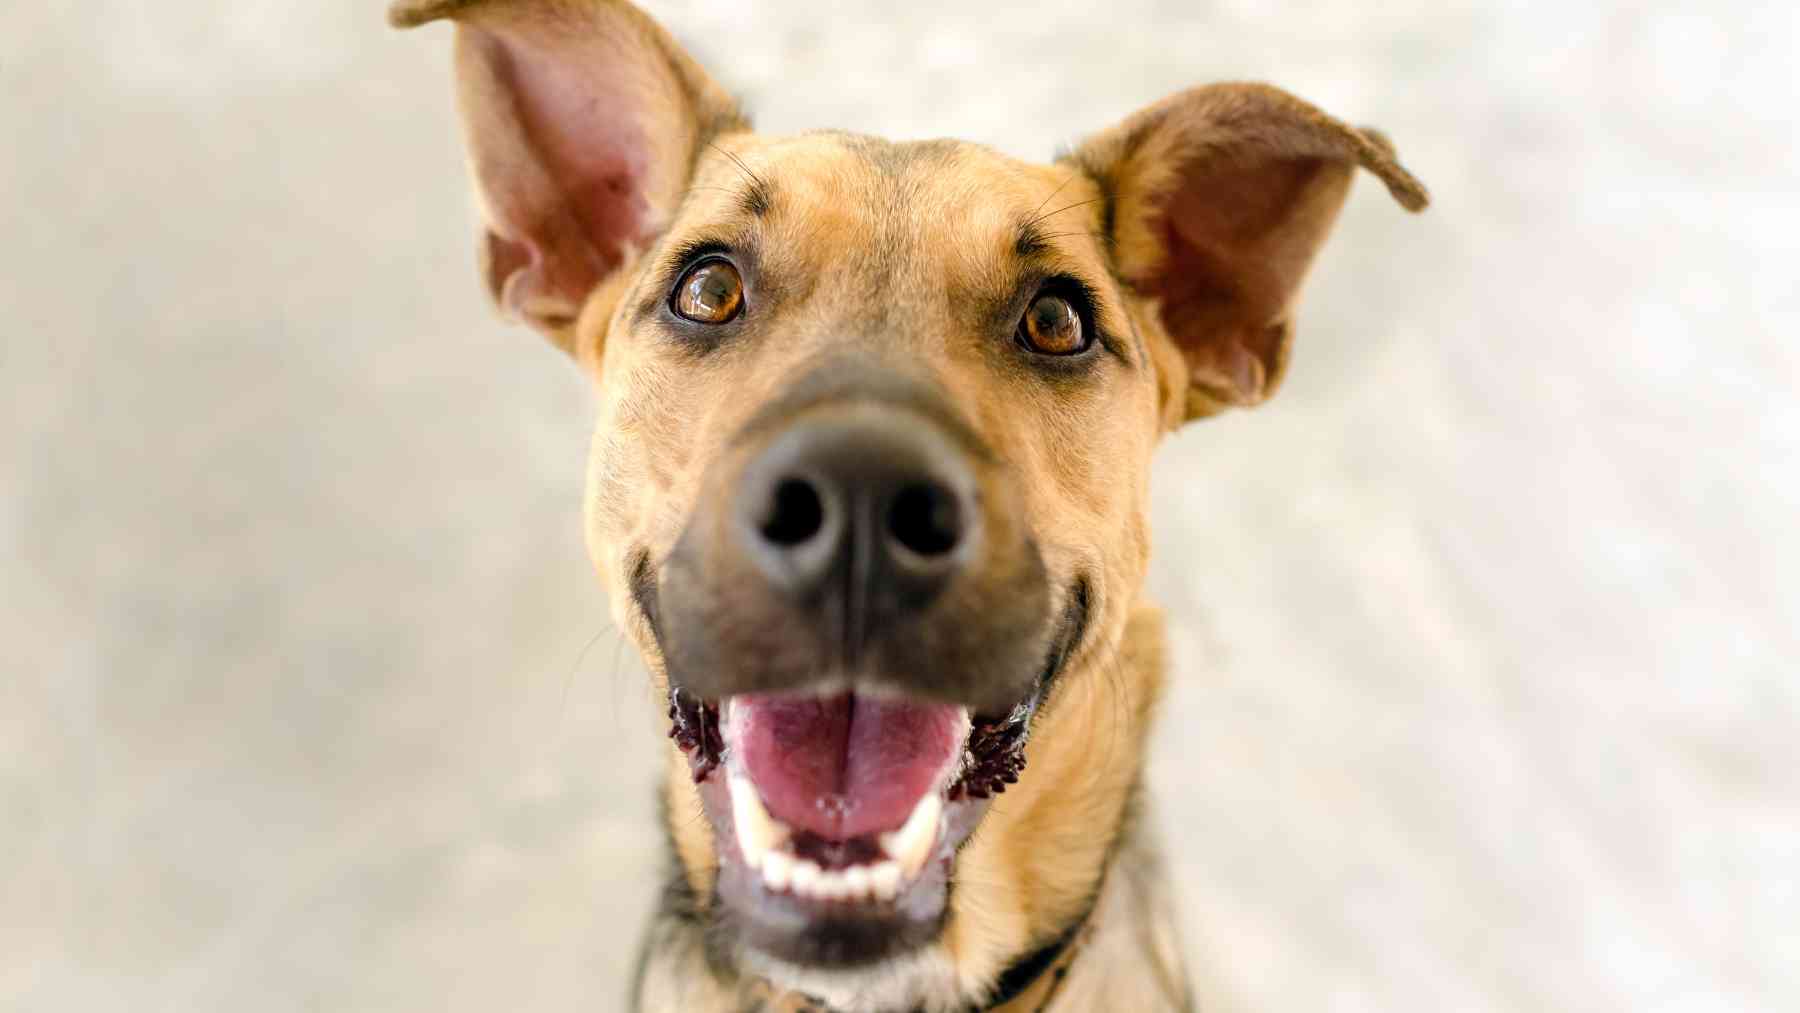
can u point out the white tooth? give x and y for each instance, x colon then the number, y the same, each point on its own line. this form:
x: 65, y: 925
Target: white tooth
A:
x: 911, y: 844
x: 757, y: 832
x: 831, y: 885
x: 884, y: 880
x: 777, y: 869
x: 856, y: 882
x: 805, y: 878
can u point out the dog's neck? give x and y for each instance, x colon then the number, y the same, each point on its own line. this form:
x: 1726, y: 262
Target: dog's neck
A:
x: 1033, y: 982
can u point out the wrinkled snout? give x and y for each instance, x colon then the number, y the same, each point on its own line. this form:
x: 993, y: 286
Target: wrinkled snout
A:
x: 857, y: 536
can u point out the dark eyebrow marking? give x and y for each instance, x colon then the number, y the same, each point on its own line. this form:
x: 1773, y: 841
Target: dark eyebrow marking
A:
x: 755, y: 201
x: 758, y: 196
x: 1031, y: 242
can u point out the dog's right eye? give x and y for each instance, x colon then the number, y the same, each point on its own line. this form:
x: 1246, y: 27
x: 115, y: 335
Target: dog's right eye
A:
x: 711, y: 292
x: 1052, y: 326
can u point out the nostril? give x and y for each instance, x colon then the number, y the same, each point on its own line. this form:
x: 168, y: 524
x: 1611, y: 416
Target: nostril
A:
x: 925, y: 519
x: 795, y: 514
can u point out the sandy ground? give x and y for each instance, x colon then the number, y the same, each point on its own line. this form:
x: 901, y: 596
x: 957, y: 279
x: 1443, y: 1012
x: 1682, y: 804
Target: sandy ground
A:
x: 1485, y: 629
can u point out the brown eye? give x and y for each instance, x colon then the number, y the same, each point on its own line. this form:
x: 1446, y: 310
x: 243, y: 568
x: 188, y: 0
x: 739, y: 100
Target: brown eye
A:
x: 711, y: 292
x: 1052, y: 327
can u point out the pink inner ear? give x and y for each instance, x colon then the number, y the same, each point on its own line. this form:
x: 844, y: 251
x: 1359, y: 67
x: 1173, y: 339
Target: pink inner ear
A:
x: 1233, y: 255
x: 569, y: 205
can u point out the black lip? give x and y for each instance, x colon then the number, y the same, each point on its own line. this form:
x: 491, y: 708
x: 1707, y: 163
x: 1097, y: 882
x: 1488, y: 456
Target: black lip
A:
x: 643, y: 592
x: 1073, y: 628
x: 996, y: 746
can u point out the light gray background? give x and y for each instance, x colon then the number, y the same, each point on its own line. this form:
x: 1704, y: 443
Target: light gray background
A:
x: 1485, y: 629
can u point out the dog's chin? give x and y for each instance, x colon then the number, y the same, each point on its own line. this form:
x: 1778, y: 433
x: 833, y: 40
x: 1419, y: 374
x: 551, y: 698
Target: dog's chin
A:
x: 837, y: 819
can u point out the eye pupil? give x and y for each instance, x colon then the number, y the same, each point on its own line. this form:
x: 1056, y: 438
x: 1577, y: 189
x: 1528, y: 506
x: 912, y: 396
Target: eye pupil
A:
x: 710, y: 293
x: 1052, y: 327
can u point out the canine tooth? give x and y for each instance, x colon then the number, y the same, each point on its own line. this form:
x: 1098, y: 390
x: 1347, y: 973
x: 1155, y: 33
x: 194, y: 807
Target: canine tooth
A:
x: 884, y: 880
x: 757, y: 831
x: 777, y: 869
x: 856, y: 882
x: 911, y: 844
x: 805, y: 877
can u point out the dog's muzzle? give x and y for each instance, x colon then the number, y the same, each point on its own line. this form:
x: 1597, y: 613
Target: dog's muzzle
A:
x: 858, y: 628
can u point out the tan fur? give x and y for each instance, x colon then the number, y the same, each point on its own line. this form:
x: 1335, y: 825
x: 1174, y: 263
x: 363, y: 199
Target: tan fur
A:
x: 1040, y: 854
x: 1037, y: 858
x: 875, y: 247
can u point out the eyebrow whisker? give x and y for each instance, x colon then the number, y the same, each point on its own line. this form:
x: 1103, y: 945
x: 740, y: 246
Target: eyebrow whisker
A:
x: 1052, y: 196
x: 755, y: 180
x: 1066, y: 207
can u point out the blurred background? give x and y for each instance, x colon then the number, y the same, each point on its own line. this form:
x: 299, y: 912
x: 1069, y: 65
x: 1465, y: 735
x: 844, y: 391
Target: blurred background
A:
x: 1484, y: 630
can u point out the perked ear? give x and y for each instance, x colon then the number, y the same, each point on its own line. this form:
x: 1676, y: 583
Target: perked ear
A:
x: 582, y: 118
x: 1220, y: 196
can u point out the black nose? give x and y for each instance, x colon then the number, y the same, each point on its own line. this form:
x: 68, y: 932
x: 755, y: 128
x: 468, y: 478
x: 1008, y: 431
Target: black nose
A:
x: 868, y: 506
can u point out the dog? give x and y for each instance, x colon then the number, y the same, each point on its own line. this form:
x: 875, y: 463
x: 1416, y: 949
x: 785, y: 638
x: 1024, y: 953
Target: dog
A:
x: 868, y: 491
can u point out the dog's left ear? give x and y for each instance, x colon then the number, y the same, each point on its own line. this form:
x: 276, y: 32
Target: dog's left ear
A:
x: 1219, y: 197
x: 583, y: 119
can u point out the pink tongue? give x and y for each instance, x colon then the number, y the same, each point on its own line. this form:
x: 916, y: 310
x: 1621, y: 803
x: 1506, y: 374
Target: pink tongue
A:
x: 845, y: 766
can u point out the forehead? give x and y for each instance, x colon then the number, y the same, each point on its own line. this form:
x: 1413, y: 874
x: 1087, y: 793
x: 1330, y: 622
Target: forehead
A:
x: 938, y: 207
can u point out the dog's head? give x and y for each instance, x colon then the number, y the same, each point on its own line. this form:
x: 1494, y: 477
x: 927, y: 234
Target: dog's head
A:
x: 869, y: 479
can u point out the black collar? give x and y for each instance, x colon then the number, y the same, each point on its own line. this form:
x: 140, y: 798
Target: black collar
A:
x: 1028, y: 969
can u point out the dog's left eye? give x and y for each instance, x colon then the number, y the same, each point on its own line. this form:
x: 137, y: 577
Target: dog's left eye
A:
x: 1052, y: 326
x: 711, y: 292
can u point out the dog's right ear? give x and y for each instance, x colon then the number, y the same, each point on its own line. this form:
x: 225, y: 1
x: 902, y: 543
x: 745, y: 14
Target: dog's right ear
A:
x: 583, y: 119
x: 1218, y: 199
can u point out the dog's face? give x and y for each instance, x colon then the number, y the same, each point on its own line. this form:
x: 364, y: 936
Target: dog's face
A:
x: 874, y: 504
x: 868, y: 481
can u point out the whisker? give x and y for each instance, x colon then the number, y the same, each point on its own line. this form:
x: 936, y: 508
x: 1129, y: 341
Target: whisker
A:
x: 1053, y: 193
x: 562, y: 706
x: 745, y: 169
x: 1065, y: 207
x: 617, y: 682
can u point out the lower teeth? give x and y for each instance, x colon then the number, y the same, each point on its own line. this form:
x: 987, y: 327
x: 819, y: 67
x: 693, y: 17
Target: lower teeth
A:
x: 767, y: 844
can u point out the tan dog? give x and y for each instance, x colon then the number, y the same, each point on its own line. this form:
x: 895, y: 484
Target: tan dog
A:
x: 868, y: 489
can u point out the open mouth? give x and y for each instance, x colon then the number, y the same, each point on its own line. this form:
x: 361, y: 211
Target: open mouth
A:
x: 838, y: 816
x: 838, y: 809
